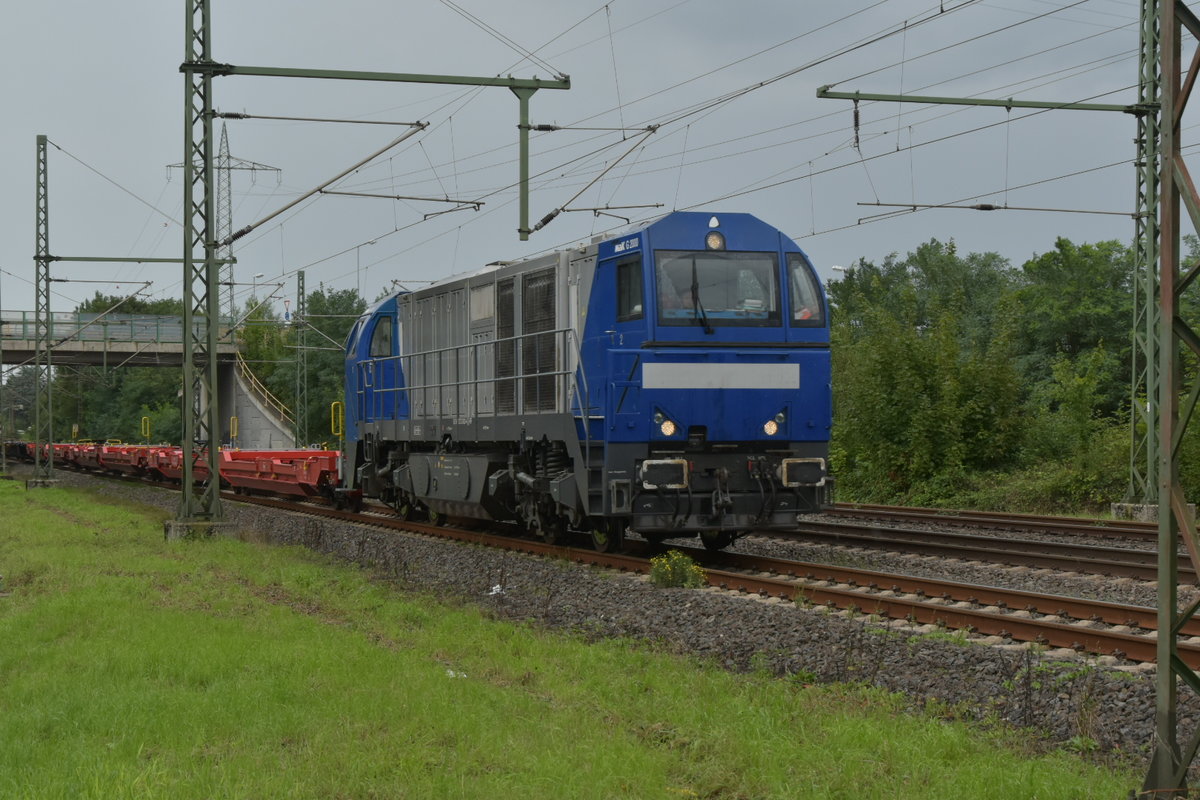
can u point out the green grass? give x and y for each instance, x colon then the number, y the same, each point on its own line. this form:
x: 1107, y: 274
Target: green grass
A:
x: 131, y: 667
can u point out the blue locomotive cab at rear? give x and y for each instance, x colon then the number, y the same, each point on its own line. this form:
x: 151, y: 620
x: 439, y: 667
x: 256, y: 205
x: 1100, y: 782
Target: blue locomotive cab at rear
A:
x: 672, y: 380
x: 373, y: 379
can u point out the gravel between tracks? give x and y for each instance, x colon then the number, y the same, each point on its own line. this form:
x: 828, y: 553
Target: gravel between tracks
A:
x: 1058, y: 695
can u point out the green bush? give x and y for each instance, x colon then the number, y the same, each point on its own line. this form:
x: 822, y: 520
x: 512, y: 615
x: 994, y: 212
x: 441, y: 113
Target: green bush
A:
x: 676, y: 569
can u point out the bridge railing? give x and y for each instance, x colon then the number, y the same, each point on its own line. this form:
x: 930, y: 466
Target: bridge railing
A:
x: 281, y: 412
x: 91, y: 327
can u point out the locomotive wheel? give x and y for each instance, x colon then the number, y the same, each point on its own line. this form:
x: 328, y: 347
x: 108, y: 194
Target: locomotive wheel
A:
x: 404, y: 508
x: 716, y: 540
x: 436, y: 517
x: 607, y: 535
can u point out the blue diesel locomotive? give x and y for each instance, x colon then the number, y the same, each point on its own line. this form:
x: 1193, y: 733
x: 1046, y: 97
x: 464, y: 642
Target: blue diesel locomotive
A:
x: 673, y: 380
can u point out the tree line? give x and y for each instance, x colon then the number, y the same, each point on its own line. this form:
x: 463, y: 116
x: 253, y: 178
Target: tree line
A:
x: 963, y: 380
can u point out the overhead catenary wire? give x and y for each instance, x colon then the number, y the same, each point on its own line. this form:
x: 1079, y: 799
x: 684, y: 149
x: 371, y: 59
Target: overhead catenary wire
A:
x: 877, y: 37
x: 639, y: 170
x: 242, y: 232
x: 960, y: 43
x: 525, y: 54
x: 549, y: 217
x: 981, y: 70
x: 240, y: 115
x: 438, y: 235
x: 926, y: 143
x: 1002, y: 207
x: 690, y: 110
x: 1041, y: 181
x: 119, y: 186
x: 1012, y: 60
x: 612, y: 48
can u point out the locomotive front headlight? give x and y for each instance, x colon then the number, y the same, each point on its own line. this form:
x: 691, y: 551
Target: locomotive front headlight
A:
x: 770, y: 427
x: 667, y: 428
x: 715, y: 240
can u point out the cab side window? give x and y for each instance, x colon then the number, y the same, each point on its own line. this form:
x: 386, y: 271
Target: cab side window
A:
x: 807, y: 309
x: 629, y: 289
x: 381, y: 338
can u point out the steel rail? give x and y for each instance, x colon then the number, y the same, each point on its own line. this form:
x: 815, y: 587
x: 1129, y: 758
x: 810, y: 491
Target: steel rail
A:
x: 1133, y: 529
x: 1137, y: 617
x: 1116, y: 561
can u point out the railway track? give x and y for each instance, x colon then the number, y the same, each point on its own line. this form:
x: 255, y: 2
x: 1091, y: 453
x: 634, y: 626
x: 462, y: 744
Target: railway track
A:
x: 1116, y: 529
x: 1082, y: 625
x: 1128, y: 562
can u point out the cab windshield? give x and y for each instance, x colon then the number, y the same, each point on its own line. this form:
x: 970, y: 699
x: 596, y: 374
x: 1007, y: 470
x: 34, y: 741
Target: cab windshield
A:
x: 716, y: 289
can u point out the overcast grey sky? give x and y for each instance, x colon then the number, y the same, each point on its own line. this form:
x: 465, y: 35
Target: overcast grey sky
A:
x: 102, y: 81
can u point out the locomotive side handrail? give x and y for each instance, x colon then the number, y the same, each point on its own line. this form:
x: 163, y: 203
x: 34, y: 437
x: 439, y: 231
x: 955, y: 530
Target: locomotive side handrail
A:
x: 577, y: 375
x: 451, y: 402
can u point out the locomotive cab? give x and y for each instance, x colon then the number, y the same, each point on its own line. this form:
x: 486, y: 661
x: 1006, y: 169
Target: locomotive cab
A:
x: 374, y: 398
x: 719, y: 404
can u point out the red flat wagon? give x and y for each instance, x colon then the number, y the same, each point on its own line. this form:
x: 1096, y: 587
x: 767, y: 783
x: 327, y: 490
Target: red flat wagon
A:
x: 302, y: 473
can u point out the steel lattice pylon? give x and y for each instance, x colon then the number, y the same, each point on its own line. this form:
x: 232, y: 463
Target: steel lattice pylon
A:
x: 225, y: 167
x: 300, y: 324
x: 201, y: 306
x: 1143, y: 403
x: 43, y: 426
x: 1167, y: 776
x: 224, y: 218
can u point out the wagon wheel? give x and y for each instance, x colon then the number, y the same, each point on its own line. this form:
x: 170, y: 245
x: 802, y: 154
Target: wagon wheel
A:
x: 607, y: 534
x: 716, y: 540
x: 552, y: 528
x: 404, y: 507
x: 436, y: 518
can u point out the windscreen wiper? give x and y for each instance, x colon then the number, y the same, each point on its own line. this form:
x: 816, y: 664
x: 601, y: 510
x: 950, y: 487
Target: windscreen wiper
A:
x: 697, y: 306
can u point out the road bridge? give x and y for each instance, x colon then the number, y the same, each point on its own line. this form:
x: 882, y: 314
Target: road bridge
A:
x: 251, y: 417
x: 94, y: 340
